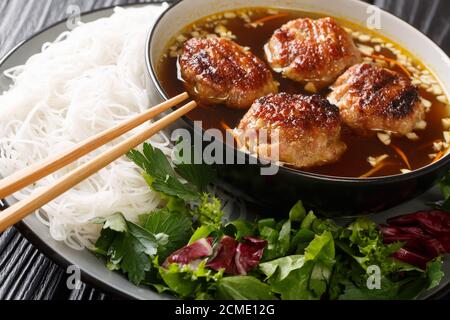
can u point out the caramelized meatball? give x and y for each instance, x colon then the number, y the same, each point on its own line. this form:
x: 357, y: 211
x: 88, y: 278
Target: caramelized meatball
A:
x: 308, y: 129
x: 217, y: 70
x: 308, y: 50
x: 372, y: 98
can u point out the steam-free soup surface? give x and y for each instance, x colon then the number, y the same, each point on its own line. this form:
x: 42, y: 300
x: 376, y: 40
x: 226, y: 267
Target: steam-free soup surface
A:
x: 354, y: 162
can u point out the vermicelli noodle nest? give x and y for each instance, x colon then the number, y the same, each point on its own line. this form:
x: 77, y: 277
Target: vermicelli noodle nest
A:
x: 88, y: 80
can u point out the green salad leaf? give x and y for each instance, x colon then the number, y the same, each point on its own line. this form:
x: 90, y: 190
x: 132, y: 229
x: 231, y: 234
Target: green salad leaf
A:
x: 200, y: 175
x: 173, y: 187
x: 187, y: 281
x: 303, y: 276
x: 408, y: 287
x: 239, y: 229
x: 444, y: 186
x: 201, y: 232
x: 369, y: 249
x: 321, y: 249
x: 298, y: 212
x: 128, y: 247
x: 280, y: 268
x: 209, y: 211
x: 160, y: 175
x: 307, y: 222
x: 295, y: 286
x: 434, y: 273
x: 306, y: 257
x: 191, y: 168
x: 176, y: 226
x: 243, y: 288
x: 278, y: 237
x: 301, y: 240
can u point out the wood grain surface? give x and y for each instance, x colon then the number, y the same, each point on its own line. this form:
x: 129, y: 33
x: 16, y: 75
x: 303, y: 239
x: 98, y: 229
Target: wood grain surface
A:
x: 25, y: 272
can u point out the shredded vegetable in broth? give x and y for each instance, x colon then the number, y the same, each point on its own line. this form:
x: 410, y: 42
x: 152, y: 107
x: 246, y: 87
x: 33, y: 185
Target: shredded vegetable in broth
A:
x: 86, y: 81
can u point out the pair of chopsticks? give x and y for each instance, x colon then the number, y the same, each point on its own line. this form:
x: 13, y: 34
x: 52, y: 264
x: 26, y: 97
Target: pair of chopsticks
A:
x: 29, y: 175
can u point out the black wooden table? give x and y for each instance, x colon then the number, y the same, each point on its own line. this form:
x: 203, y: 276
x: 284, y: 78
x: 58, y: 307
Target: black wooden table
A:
x: 25, y: 272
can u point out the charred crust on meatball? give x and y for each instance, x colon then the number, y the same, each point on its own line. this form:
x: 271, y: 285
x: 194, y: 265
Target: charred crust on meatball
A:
x: 312, y: 50
x: 232, y: 64
x: 219, y: 70
x: 299, y: 111
x: 308, y: 128
x: 371, y: 82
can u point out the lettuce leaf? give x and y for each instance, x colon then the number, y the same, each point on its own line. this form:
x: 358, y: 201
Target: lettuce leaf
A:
x: 243, y: 288
x: 303, y: 276
x: 278, y: 239
x: 296, y: 285
x: 297, y: 213
x: 280, y: 268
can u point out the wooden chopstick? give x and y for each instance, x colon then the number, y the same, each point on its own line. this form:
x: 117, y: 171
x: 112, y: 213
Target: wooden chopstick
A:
x: 21, y: 209
x: 37, y: 171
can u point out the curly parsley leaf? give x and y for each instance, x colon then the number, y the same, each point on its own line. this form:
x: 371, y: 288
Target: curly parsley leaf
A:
x: 365, y: 245
x: 209, y: 211
x: 187, y: 281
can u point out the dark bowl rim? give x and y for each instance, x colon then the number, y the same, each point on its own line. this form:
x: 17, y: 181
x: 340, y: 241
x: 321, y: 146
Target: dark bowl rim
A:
x: 432, y: 167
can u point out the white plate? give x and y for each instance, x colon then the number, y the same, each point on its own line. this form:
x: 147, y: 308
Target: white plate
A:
x: 92, y: 268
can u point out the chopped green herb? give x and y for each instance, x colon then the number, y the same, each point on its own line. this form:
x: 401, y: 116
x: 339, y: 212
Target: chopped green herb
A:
x: 306, y: 257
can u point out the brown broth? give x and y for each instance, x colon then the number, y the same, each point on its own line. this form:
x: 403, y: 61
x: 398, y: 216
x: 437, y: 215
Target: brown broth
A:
x: 354, y: 161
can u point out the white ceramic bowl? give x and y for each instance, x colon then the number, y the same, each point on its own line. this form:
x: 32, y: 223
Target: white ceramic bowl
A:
x: 344, y: 196
x: 185, y: 12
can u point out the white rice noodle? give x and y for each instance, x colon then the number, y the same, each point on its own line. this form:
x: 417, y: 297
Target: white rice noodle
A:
x: 88, y: 80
